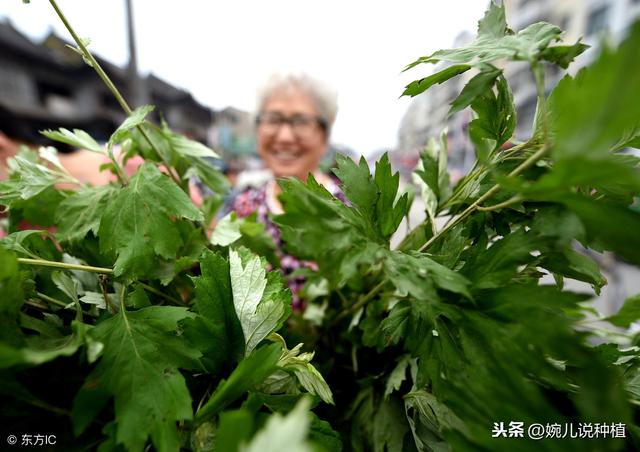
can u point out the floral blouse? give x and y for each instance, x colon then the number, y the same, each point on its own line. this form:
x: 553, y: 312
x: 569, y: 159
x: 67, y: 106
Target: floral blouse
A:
x: 256, y: 199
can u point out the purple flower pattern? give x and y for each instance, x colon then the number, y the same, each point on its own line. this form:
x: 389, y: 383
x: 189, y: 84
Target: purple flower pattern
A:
x: 254, y: 199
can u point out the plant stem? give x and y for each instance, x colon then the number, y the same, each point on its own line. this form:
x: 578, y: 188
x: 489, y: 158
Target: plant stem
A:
x: 533, y: 158
x: 514, y: 200
x: 45, y: 263
x: 155, y: 291
x: 363, y: 301
x: 107, y: 81
x: 51, y: 300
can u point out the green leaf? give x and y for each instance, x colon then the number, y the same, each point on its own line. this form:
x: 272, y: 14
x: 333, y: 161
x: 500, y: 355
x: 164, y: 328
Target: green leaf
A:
x: 11, y: 300
x: 139, y: 224
x: 219, y: 336
x: 227, y: 230
x: 284, y: 433
x: 67, y: 285
x: 480, y: 83
x: 28, y: 178
x: 602, y: 102
x: 571, y: 264
x: 389, y: 426
x: 608, y: 226
x: 494, y: 22
x: 81, y: 212
x: 417, y: 274
x: 432, y: 175
x: 428, y: 418
x: 250, y: 372
x: 299, y: 364
x: 136, y: 118
x: 397, y: 375
x: 323, y: 436
x: 22, y: 242
x: 186, y: 147
x: 419, y: 86
x: 496, y: 119
x: 41, y: 349
x: 496, y: 42
x: 629, y: 313
x: 261, y: 304
x: 235, y: 428
x: 389, y: 213
x: 79, y: 139
x: 357, y: 184
x: 563, y: 55
x: 139, y: 367
x: 499, y: 264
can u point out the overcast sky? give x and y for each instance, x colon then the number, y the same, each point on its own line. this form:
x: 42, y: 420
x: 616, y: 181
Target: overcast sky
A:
x: 221, y: 51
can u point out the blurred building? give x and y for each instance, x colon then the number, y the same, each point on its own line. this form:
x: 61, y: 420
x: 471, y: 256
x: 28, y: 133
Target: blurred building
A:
x: 591, y: 20
x: 47, y: 85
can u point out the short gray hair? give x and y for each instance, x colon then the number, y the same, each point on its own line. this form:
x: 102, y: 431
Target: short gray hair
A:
x: 324, y: 97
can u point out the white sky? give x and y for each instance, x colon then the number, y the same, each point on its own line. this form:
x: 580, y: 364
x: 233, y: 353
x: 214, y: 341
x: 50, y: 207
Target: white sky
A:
x: 221, y: 51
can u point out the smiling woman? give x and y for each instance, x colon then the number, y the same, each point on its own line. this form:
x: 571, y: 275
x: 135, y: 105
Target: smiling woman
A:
x: 293, y: 124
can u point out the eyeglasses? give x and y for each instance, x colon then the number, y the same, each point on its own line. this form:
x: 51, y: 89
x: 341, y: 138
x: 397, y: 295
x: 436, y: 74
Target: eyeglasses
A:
x: 303, y: 126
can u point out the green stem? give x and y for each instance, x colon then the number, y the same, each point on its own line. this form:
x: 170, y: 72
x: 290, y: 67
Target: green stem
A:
x: 363, y: 301
x: 45, y: 263
x: 533, y: 158
x: 107, y: 81
x: 54, y: 301
x: 51, y: 300
x: 514, y: 200
x: 155, y: 291
x: 541, y: 107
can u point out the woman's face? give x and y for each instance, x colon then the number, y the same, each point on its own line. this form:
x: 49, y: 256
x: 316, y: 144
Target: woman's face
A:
x: 291, y: 140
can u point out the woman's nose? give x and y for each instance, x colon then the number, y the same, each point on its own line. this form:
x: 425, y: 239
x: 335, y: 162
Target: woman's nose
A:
x: 285, y: 133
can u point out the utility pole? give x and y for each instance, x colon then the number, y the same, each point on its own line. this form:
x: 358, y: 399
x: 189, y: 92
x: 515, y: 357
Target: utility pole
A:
x: 135, y: 85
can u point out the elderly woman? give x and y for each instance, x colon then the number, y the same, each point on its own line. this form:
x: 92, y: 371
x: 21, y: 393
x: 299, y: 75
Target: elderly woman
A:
x: 295, y: 115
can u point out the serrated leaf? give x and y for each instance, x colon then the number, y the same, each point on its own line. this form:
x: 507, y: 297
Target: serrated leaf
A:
x: 428, y: 419
x: 292, y: 361
x: 220, y: 336
x: 77, y: 138
x: 82, y: 212
x: 136, y: 118
x: 389, y: 426
x: 284, y: 433
x: 67, y: 285
x: 480, y: 83
x: 432, y: 176
x: 496, y: 119
x: 139, y: 223
x: 419, y: 86
x: 261, y: 304
x: 397, y: 375
x: 187, y: 147
x: 602, y: 102
x: 16, y: 241
x: 27, y: 179
x: 139, y: 368
x: 563, y: 55
x: 496, y: 42
x: 629, y: 313
x: 41, y: 349
x: 389, y: 212
x: 250, y: 372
